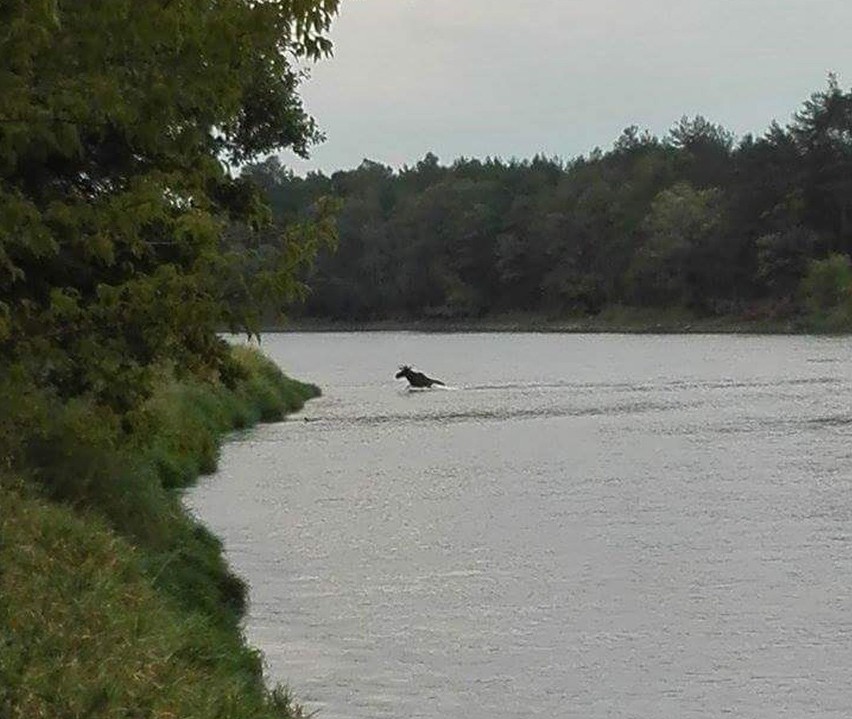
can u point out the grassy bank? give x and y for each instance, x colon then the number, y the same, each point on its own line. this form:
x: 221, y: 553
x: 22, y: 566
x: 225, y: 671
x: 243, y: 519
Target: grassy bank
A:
x: 116, y: 602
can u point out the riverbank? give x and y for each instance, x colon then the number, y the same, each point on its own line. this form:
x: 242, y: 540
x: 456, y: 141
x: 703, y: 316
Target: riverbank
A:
x: 117, y: 602
x: 619, y: 320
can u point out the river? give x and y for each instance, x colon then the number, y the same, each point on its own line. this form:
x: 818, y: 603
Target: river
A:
x: 580, y: 526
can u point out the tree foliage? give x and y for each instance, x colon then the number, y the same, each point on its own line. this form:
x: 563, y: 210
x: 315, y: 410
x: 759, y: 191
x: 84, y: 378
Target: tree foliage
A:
x: 119, y: 126
x: 697, y: 220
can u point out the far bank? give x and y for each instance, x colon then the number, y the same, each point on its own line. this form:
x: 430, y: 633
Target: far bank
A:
x: 620, y: 320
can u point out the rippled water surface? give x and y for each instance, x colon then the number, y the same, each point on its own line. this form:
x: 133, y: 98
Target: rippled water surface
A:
x: 582, y: 526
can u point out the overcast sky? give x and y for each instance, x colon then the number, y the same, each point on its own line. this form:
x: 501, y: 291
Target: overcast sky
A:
x: 513, y: 78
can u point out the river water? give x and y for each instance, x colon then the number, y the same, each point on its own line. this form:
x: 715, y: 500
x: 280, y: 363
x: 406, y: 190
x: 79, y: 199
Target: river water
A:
x: 582, y: 526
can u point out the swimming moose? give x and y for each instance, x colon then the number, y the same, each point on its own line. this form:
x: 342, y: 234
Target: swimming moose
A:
x: 416, y: 379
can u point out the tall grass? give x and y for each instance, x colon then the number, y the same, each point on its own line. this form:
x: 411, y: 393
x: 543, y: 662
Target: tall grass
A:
x: 84, y: 633
x: 101, y: 566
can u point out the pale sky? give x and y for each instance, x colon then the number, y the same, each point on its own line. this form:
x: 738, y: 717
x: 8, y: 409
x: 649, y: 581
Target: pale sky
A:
x: 512, y: 78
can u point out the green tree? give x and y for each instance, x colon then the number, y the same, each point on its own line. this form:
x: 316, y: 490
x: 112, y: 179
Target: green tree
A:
x: 827, y: 287
x: 677, y: 264
x: 783, y: 259
x: 822, y: 132
x: 119, y: 125
x: 705, y: 151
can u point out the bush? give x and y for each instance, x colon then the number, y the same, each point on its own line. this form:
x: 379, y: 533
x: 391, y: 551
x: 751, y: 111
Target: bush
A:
x: 827, y: 292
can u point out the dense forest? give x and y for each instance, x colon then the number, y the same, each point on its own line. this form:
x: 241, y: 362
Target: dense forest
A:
x: 759, y: 227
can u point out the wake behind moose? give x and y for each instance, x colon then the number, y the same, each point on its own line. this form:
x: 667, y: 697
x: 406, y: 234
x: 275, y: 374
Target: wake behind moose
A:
x: 417, y: 379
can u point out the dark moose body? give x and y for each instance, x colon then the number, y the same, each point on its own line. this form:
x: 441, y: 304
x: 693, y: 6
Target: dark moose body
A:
x: 416, y: 379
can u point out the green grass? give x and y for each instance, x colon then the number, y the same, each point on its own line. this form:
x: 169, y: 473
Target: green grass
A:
x: 180, y: 427
x: 116, y: 602
x: 85, y: 634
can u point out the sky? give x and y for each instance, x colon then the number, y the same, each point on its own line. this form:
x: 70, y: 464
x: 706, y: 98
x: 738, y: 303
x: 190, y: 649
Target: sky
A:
x: 515, y: 78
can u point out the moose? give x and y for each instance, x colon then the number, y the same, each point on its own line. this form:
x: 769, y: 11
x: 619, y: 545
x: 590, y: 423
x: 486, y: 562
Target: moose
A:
x: 416, y: 379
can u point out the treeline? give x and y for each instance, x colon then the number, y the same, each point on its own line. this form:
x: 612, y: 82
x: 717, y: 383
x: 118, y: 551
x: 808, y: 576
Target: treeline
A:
x: 758, y: 227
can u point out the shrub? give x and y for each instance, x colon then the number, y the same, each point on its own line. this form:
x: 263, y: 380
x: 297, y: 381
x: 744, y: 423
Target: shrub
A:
x: 827, y: 292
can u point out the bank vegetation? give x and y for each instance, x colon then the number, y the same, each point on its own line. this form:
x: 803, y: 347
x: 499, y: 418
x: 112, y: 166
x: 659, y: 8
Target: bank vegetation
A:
x: 120, y: 125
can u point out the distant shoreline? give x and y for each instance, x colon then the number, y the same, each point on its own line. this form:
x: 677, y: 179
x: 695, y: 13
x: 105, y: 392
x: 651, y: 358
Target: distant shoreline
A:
x: 594, y: 325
